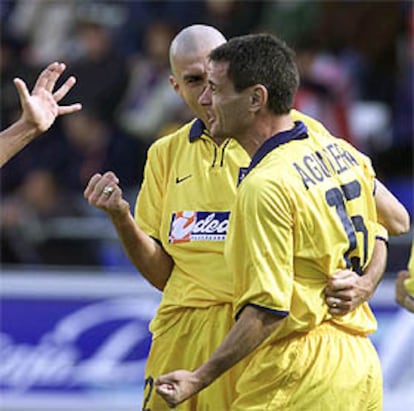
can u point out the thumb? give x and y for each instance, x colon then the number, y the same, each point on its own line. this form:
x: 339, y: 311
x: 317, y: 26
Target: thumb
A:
x: 21, y: 89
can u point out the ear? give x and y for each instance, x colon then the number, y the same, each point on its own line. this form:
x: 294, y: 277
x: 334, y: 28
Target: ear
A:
x: 174, y: 83
x: 258, y: 97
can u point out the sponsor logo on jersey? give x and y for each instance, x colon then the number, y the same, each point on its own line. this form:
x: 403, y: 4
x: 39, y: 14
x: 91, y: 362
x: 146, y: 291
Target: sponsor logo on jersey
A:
x: 189, y: 226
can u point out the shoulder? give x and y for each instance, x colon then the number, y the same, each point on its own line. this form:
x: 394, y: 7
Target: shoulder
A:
x: 173, y: 141
x: 312, y: 124
x: 264, y: 182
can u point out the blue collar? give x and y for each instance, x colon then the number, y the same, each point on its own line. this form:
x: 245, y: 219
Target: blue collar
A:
x: 299, y: 132
x: 197, y: 130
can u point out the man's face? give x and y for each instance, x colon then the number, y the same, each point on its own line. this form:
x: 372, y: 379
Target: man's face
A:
x: 190, y: 80
x: 230, y: 115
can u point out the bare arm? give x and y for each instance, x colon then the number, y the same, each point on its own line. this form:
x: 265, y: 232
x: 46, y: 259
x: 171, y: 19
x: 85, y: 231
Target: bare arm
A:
x: 144, y: 252
x: 252, y: 328
x: 391, y: 213
x: 346, y: 289
x: 40, y: 110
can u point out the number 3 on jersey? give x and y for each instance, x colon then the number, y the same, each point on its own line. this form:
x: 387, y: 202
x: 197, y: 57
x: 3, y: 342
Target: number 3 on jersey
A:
x: 336, y: 198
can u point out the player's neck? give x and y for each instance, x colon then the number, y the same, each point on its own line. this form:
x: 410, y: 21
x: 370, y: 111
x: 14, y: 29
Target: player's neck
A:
x: 218, y: 140
x: 264, y: 128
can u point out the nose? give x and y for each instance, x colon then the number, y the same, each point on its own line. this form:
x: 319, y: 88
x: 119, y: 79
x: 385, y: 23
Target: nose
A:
x: 205, y: 97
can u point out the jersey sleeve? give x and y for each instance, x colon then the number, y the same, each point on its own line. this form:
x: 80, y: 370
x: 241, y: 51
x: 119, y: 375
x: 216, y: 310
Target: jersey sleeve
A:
x: 259, y: 250
x: 362, y: 159
x: 148, y: 208
x: 381, y: 232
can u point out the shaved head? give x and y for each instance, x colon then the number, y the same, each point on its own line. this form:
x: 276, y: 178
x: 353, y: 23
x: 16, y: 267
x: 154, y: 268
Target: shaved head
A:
x: 195, y: 40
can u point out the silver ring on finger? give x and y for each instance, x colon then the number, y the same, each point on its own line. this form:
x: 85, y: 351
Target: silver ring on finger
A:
x: 108, y: 190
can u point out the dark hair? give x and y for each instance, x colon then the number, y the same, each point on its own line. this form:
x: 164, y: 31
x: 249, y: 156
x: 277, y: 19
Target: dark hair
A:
x: 261, y: 59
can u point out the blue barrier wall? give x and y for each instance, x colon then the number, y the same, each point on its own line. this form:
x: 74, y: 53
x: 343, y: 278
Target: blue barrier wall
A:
x: 77, y: 341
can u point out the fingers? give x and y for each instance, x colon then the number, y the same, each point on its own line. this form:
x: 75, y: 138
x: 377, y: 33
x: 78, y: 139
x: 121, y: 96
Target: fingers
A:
x: 167, y: 391
x: 91, y: 185
x: 73, y: 108
x: 338, y: 306
x: 103, y: 191
x: 340, y: 292
x: 49, y: 76
x: 21, y: 89
x: 64, y: 89
x: 168, y: 386
x: 342, y: 280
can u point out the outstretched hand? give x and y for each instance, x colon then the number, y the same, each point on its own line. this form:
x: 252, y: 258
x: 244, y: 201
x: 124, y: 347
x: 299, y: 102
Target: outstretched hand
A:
x: 346, y: 290
x: 40, y: 108
x: 177, y: 386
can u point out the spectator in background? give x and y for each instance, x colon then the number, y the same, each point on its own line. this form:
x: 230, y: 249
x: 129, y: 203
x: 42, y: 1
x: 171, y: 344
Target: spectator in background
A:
x: 101, y: 70
x: 325, y: 91
x: 232, y: 17
x: 150, y: 102
x: 26, y: 221
x: 45, y: 26
x: 93, y: 145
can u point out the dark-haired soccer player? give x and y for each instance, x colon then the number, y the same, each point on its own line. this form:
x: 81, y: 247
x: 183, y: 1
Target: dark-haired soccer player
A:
x: 304, y: 210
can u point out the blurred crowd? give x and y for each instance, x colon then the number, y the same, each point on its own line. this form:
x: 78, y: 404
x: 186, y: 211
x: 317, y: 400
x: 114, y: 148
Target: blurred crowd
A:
x: 356, y: 62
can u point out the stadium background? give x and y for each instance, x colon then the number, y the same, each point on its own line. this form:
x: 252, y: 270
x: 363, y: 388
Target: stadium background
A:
x: 73, y: 311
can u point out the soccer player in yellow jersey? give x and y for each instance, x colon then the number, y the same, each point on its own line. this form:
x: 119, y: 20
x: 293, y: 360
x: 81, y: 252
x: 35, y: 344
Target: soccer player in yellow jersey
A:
x: 304, y: 210
x: 405, y: 285
x: 40, y: 110
x: 181, y: 218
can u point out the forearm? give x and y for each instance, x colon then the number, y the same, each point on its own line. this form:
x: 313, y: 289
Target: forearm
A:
x: 144, y: 252
x: 14, y: 138
x: 374, y: 272
x: 251, y: 329
x: 391, y: 213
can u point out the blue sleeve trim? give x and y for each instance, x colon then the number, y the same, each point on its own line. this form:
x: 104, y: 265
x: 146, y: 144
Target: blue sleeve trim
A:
x: 270, y: 310
x: 378, y: 237
x: 375, y: 187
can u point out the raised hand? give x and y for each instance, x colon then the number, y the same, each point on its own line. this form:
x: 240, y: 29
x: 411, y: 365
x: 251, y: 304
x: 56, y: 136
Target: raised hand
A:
x: 104, y: 193
x: 40, y: 108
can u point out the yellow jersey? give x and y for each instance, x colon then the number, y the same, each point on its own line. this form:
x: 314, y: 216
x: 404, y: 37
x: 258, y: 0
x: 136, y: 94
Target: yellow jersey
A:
x: 304, y: 211
x: 189, y: 187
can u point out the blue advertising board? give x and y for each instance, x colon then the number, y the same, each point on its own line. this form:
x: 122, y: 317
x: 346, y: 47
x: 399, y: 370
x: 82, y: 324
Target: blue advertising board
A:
x: 74, y: 340
x: 79, y: 341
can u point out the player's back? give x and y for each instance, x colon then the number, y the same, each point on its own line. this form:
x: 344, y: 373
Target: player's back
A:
x: 321, y: 189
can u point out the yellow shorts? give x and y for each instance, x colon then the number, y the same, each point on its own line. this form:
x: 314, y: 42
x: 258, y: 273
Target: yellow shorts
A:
x: 323, y: 370
x: 186, y: 345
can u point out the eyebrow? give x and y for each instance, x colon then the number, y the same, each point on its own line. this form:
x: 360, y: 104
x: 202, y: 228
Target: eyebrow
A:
x: 192, y: 76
